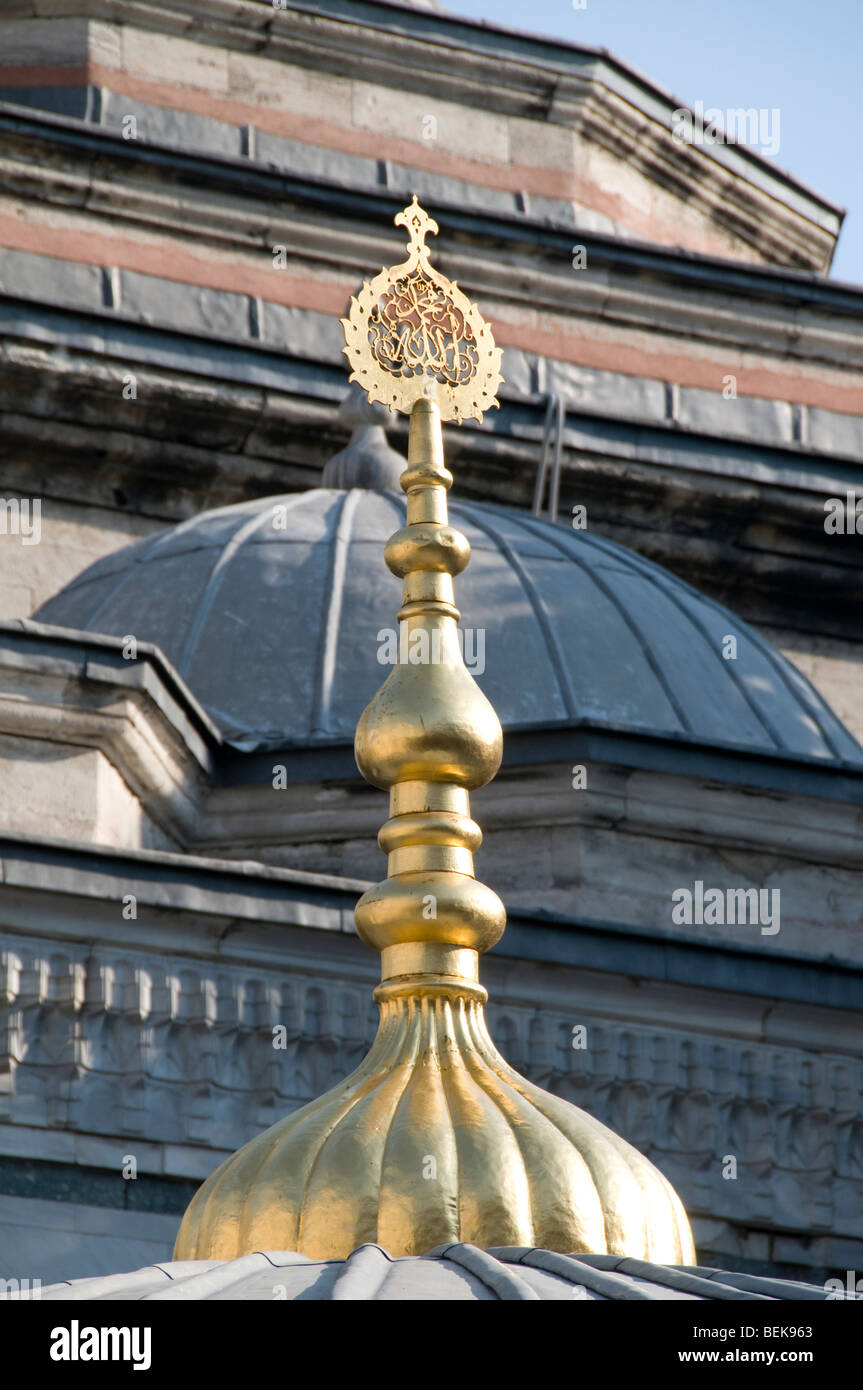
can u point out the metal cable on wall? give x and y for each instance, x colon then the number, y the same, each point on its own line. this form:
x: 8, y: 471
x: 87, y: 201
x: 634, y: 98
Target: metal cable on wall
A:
x: 555, y: 419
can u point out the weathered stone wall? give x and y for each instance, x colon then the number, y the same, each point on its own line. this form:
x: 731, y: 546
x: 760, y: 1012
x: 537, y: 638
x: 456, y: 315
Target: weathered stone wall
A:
x: 109, y: 1054
x: 71, y: 536
x: 67, y: 792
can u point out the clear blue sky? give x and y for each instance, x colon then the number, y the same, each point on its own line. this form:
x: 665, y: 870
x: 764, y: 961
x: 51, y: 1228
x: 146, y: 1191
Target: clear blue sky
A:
x: 802, y: 57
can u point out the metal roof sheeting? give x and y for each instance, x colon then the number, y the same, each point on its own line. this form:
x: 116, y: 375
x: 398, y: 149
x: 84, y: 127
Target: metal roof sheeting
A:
x: 450, y: 1272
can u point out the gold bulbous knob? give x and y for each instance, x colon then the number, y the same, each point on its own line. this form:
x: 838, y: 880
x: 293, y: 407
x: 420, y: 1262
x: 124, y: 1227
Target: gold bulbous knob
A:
x: 465, y: 912
x: 429, y: 724
x: 438, y: 827
x: 427, y: 546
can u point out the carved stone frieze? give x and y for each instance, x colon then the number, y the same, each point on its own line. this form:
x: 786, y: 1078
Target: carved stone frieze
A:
x: 179, y: 1052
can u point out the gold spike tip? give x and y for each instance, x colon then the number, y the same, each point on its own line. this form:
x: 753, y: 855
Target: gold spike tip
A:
x: 411, y: 334
x: 433, y: 1138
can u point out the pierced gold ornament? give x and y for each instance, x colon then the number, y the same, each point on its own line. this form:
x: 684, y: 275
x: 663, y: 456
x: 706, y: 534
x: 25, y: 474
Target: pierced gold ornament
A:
x: 411, y: 334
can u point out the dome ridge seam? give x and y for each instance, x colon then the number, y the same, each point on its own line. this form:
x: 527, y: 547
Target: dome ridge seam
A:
x: 568, y: 549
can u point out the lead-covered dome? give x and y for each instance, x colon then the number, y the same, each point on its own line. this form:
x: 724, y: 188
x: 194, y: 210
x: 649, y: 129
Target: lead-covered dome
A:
x: 451, y: 1273
x: 273, y: 611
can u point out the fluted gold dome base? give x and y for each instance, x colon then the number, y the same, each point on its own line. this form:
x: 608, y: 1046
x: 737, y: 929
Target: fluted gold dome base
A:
x: 434, y: 1138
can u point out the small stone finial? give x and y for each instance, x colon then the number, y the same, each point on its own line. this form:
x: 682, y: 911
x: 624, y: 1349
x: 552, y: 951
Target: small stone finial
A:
x: 368, y: 460
x: 434, y: 1138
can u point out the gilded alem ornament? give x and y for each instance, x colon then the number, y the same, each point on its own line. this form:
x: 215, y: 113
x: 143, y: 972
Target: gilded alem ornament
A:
x: 411, y: 334
x: 433, y: 1138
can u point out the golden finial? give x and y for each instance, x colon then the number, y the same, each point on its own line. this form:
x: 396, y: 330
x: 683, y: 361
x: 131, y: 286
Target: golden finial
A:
x: 411, y: 334
x: 434, y: 1138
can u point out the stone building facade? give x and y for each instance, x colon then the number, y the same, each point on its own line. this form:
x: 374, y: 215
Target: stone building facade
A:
x: 189, y: 194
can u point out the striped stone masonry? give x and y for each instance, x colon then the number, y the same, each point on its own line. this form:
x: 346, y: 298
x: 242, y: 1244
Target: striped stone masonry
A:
x: 553, y: 121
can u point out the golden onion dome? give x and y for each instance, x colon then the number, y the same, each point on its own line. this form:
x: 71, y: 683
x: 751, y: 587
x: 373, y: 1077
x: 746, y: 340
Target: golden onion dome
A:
x: 434, y: 1138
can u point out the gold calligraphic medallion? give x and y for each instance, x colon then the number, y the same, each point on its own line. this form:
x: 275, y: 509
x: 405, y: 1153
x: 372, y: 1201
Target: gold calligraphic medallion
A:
x: 411, y: 334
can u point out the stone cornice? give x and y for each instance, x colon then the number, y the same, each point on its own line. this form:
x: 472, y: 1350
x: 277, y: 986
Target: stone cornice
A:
x: 77, y: 689
x: 62, y: 369
x: 235, y: 205
x: 277, y: 427
x: 484, y: 64
x: 182, y: 898
x: 644, y: 787
x: 266, y: 389
x: 586, y: 741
